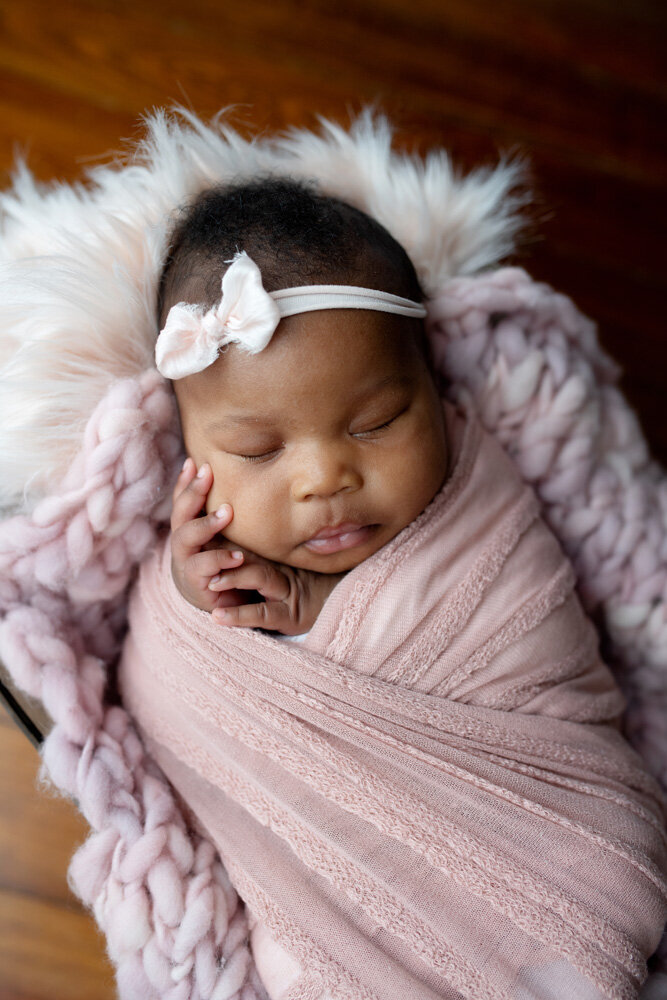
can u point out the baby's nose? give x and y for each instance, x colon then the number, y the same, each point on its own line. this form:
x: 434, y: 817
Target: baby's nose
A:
x: 323, y: 474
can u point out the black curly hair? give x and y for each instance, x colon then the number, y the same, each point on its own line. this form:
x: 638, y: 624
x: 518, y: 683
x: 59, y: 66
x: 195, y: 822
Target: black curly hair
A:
x: 295, y: 234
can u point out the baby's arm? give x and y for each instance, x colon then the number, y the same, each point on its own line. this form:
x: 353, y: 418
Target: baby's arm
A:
x: 211, y: 575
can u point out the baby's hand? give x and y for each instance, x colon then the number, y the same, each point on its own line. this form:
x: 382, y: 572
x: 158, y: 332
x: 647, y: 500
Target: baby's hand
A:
x: 293, y: 598
x: 194, y: 561
x: 214, y: 578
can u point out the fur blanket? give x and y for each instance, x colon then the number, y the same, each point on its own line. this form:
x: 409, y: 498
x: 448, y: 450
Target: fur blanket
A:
x: 90, y: 448
x: 439, y: 756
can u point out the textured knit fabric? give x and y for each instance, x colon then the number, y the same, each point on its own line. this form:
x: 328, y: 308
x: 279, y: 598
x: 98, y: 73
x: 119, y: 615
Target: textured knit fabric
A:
x: 430, y: 797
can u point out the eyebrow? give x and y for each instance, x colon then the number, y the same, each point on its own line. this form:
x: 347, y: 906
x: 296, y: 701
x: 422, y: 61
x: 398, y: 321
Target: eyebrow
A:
x: 239, y: 419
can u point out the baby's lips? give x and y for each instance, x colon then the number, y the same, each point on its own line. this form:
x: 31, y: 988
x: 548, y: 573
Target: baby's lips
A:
x: 344, y: 527
x: 345, y: 536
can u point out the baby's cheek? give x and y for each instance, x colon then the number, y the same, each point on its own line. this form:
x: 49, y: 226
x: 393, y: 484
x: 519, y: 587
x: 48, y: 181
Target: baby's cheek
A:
x: 224, y: 489
x: 250, y: 527
x: 261, y: 521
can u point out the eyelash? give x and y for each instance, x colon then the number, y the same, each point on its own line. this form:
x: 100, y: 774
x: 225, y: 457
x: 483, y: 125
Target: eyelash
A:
x: 380, y: 426
x: 259, y: 458
x: 264, y: 457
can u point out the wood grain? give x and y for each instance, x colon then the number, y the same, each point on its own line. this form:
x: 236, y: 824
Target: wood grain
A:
x: 578, y: 87
x: 50, y: 948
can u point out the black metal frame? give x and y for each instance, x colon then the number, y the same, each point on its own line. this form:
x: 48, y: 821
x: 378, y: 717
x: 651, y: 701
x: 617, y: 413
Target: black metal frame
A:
x: 20, y: 716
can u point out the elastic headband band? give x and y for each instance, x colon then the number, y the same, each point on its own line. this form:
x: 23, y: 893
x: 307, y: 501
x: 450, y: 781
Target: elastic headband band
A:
x: 248, y: 315
x: 308, y: 298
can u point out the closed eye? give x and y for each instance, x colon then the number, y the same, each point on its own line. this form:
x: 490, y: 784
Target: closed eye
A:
x: 380, y: 427
x: 263, y: 457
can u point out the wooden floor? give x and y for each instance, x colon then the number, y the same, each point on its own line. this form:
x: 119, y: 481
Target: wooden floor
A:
x: 579, y: 86
x: 50, y: 948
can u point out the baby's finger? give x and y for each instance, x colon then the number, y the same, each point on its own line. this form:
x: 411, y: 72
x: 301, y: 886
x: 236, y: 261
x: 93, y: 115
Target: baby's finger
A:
x: 185, y: 475
x: 211, y: 562
x: 194, y: 534
x: 265, y: 579
x: 190, y: 494
x: 269, y: 615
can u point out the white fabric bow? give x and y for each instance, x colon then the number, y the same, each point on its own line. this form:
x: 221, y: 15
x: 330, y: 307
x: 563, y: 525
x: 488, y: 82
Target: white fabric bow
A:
x: 246, y: 315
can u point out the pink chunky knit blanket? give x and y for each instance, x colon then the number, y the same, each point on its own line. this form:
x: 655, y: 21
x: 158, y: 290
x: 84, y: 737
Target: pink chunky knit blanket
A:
x: 428, y: 798
x: 91, y: 447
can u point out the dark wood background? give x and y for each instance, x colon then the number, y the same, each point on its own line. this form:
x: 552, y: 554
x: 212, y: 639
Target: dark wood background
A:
x: 577, y: 86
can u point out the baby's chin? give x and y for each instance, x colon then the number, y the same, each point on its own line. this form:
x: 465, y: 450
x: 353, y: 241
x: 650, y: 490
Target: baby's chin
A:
x: 328, y: 564
x: 339, y: 562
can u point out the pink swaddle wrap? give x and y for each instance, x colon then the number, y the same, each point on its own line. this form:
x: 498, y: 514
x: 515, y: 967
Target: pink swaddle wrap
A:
x: 430, y: 796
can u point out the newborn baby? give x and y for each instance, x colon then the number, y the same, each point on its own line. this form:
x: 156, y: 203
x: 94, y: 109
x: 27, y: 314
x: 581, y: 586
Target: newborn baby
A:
x: 318, y: 462
x: 428, y: 796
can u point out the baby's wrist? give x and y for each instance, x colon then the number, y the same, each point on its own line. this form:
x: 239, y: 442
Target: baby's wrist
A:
x: 317, y: 588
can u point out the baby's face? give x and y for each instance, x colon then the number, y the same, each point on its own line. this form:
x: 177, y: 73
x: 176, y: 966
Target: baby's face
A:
x: 326, y: 444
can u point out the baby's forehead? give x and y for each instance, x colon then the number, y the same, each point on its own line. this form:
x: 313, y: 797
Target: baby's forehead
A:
x: 339, y: 355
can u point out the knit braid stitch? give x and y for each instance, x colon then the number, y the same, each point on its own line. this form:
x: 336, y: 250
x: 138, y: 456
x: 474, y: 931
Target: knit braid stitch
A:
x: 172, y: 919
x: 540, y: 382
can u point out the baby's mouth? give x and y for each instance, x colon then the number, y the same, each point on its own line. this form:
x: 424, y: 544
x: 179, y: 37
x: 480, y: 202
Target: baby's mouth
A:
x: 340, y: 537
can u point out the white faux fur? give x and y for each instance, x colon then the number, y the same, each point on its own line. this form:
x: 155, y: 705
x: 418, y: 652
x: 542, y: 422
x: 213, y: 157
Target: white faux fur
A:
x: 79, y: 264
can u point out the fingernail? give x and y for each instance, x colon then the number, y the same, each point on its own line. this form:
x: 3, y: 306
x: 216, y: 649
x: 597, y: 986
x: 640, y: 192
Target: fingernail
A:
x: 185, y: 464
x: 220, y: 615
x: 237, y: 555
x: 202, y: 471
x: 223, y: 511
x: 215, y: 579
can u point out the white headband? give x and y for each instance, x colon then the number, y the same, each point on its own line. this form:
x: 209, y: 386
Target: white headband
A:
x: 248, y: 315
